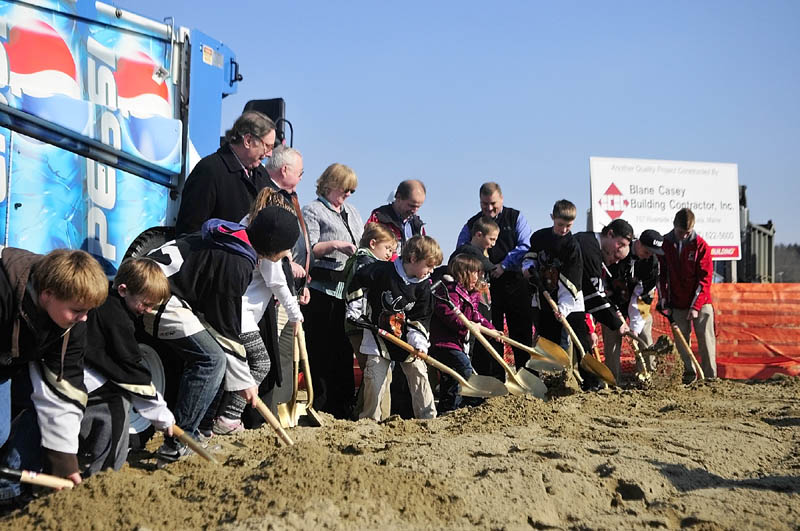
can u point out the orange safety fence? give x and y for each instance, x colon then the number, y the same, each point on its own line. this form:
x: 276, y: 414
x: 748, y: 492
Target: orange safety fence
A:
x: 757, y: 329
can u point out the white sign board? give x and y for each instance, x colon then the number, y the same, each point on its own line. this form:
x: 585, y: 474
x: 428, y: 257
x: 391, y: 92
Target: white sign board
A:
x: 647, y: 193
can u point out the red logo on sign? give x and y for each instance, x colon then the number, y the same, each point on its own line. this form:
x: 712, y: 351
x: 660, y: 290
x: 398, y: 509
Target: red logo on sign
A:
x: 613, y: 202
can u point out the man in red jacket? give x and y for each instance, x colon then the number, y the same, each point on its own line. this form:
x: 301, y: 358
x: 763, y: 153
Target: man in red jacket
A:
x: 685, y: 289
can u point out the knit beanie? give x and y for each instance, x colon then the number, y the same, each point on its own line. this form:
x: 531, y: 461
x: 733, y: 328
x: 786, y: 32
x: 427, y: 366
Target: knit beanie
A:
x: 275, y: 229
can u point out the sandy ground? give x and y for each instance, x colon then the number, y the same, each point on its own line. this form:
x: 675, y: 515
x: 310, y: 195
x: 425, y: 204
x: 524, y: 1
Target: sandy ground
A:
x: 714, y: 455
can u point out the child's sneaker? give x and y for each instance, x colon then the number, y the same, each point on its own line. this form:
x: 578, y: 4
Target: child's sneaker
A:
x: 226, y: 426
x: 172, y: 450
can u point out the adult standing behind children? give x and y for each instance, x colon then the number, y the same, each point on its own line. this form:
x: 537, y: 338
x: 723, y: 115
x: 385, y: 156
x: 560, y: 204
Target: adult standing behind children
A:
x: 685, y: 288
x: 224, y: 184
x: 598, y: 251
x: 334, y: 232
x: 508, y: 289
x: 400, y: 216
x: 44, y: 305
x: 631, y: 287
x: 285, y: 169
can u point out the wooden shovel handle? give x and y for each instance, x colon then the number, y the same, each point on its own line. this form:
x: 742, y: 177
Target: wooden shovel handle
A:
x: 564, y: 323
x: 687, y: 349
x: 474, y: 328
x: 423, y: 356
x: 264, y: 411
x: 35, y: 478
x: 46, y: 480
x: 194, y: 445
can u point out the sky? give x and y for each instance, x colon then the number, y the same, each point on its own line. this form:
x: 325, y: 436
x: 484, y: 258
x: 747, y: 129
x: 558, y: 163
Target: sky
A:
x: 456, y: 93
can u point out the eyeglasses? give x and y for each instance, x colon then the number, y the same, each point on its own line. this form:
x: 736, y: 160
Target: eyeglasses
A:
x: 267, y: 147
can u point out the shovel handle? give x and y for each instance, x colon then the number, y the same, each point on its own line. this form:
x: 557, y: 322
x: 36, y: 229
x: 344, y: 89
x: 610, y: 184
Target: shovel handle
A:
x: 35, y: 478
x: 687, y: 349
x: 475, y: 329
x: 301, y: 341
x: 391, y: 338
x: 564, y: 323
x: 194, y: 445
x: 496, y: 334
x: 264, y: 411
x: 634, y: 341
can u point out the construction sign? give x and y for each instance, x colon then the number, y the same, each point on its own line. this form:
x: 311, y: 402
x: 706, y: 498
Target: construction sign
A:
x: 647, y: 193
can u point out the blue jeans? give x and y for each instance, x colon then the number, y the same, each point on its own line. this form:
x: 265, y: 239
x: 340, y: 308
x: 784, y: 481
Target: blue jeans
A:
x: 5, y: 410
x: 22, y: 452
x: 204, y: 369
x: 449, y: 397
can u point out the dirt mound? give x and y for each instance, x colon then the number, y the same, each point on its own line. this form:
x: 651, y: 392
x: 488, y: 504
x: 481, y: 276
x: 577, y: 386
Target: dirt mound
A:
x: 713, y: 455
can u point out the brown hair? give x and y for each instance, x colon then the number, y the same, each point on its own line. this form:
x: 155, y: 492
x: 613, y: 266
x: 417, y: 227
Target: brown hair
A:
x: 336, y: 177
x: 422, y: 247
x: 462, y: 265
x: 684, y: 219
x: 252, y: 123
x: 71, y: 275
x: 268, y: 197
x: 407, y: 187
x: 484, y: 225
x: 376, y: 231
x: 143, y: 276
x: 564, y: 209
x: 489, y: 188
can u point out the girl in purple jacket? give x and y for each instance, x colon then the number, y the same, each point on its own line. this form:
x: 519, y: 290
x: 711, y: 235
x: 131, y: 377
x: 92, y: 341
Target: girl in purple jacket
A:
x: 449, y: 335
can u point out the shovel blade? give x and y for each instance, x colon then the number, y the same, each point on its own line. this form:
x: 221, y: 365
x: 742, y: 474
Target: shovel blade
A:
x: 483, y: 387
x: 591, y: 364
x: 552, y: 351
x: 285, y: 416
x: 532, y: 384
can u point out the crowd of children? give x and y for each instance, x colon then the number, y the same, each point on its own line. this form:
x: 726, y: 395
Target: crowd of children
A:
x: 69, y: 338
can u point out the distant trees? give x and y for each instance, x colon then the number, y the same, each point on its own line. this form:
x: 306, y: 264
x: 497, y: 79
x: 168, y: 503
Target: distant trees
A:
x: 787, y: 263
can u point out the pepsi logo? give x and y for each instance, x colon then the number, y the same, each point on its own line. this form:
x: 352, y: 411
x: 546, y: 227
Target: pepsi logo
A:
x: 137, y: 92
x: 40, y: 62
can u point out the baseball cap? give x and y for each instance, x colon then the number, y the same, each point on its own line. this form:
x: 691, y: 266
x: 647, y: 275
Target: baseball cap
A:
x: 652, y: 240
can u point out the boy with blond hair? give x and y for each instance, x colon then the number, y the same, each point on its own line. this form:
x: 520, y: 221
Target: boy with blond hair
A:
x: 44, y: 302
x: 396, y: 296
x: 114, y: 375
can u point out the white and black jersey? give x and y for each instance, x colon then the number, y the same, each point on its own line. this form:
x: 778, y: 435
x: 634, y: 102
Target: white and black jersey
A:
x: 557, y: 260
x: 208, y: 274
x: 594, y: 273
x: 383, y: 294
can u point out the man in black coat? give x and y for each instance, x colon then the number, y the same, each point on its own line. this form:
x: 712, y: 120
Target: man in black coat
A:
x: 224, y: 184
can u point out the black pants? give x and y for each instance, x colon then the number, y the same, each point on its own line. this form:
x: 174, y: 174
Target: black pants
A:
x: 330, y: 355
x: 511, y: 300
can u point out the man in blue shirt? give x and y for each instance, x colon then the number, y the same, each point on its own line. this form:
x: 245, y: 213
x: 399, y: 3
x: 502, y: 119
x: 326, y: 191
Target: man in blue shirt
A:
x: 508, y: 288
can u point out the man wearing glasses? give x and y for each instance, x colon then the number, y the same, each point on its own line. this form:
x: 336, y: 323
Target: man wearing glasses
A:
x: 224, y: 184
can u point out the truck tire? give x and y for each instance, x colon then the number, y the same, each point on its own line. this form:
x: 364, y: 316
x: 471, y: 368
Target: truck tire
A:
x: 150, y: 239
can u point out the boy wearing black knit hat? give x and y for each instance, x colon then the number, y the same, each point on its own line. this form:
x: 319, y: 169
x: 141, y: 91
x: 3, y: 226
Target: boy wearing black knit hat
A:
x: 208, y: 273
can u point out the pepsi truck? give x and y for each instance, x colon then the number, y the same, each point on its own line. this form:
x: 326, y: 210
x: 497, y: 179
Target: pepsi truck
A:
x: 103, y: 114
